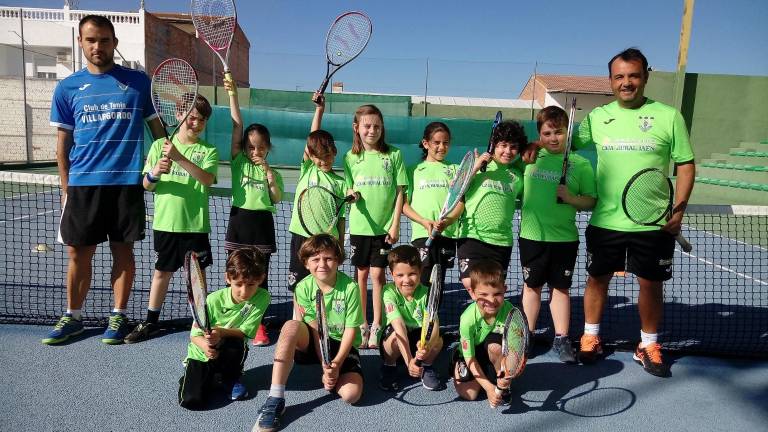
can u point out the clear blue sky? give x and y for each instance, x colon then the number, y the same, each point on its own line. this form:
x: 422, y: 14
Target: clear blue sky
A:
x: 483, y: 48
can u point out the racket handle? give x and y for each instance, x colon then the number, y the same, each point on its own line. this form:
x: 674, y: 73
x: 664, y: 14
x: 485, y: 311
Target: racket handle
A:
x: 419, y: 362
x: 499, y: 391
x: 683, y: 242
x: 483, y: 166
x: 324, y: 85
x: 228, y: 77
x: 431, y: 238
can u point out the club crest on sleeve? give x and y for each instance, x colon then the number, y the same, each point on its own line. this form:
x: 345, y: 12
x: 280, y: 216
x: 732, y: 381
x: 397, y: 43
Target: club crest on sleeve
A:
x: 646, y: 123
x: 390, y: 308
x: 464, y: 344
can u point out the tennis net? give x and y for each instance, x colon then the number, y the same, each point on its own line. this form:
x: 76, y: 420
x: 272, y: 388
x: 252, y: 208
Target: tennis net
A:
x: 716, y: 303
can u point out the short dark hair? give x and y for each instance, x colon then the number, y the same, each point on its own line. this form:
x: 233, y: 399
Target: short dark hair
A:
x: 247, y: 263
x: 320, y: 143
x: 486, y: 271
x: 98, y: 21
x: 203, y: 107
x: 553, y: 114
x: 630, y: 54
x: 318, y: 243
x: 511, y: 132
x: 404, y: 254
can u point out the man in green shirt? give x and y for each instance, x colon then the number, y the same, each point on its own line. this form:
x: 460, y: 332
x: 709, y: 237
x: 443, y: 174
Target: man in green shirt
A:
x: 630, y: 134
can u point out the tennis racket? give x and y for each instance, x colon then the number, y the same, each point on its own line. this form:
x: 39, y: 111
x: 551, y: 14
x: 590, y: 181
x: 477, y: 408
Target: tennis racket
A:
x: 648, y: 198
x: 433, y: 304
x: 322, y: 328
x: 568, y: 143
x: 347, y: 38
x: 174, y: 91
x: 319, y: 209
x: 456, y: 189
x: 197, y: 291
x: 491, y: 145
x: 215, y: 22
x: 514, y: 344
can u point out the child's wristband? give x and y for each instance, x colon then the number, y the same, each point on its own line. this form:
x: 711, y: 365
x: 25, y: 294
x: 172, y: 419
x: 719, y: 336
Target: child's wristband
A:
x: 151, y: 178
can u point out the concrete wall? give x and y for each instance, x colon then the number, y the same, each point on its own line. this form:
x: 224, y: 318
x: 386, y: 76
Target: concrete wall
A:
x: 13, y: 143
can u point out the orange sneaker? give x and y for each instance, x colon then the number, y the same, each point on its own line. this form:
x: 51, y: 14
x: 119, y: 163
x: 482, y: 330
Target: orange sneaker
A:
x: 262, y: 338
x: 650, y: 359
x: 590, y: 348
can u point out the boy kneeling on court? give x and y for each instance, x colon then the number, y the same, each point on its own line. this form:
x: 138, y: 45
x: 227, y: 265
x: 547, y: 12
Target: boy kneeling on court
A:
x: 321, y: 254
x: 234, y: 313
x: 477, y: 360
x: 405, y: 304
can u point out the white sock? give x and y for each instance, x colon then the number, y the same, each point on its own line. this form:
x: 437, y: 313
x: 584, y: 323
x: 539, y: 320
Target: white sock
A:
x: 592, y: 329
x: 277, y: 391
x: 648, y: 338
x: 76, y: 313
x: 120, y: 311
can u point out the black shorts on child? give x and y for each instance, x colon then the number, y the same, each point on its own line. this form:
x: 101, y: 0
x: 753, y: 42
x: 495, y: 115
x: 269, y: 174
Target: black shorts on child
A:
x: 171, y: 248
x: 549, y: 263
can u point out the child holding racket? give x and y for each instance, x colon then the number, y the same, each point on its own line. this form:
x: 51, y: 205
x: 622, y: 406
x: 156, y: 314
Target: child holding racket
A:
x: 549, y: 238
x: 234, y: 313
x: 180, y: 174
x: 375, y: 170
x: 427, y: 188
x: 476, y: 362
x: 405, y: 303
x: 299, y: 341
x: 485, y: 229
x: 256, y: 189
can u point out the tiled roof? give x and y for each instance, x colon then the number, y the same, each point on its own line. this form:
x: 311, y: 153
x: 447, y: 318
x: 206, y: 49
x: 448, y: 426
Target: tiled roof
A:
x: 575, y: 84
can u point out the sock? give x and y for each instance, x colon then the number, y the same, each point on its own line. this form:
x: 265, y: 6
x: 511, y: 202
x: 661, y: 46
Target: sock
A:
x: 592, y: 329
x: 119, y: 311
x: 648, y: 338
x: 76, y: 313
x: 153, y: 316
x: 277, y: 391
x: 560, y: 336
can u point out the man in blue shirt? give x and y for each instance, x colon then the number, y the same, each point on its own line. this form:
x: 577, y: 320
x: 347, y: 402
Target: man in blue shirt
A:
x: 100, y: 112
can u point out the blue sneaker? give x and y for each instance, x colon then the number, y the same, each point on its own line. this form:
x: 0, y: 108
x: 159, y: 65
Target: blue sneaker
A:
x: 116, y: 330
x: 429, y: 378
x: 239, y: 392
x: 269, y: 415
x: 63, y: 330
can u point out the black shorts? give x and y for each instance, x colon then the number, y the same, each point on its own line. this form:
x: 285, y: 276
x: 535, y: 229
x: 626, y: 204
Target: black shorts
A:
x: 549, y: 263
x: 250, y: 228
x: 95, y: 214
x: 648, y: 253
x: 172, y: 247
x: 200, y: 378
x: 414, y: 336
x: 472, y: 250
x: 310, y: 356
x: 442, y: 250
x: 481, y: 356
x: 369, y: 251
x: 296, y: 269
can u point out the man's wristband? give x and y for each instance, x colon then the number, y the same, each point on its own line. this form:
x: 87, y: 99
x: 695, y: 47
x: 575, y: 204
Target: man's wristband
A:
x: 151, y: 178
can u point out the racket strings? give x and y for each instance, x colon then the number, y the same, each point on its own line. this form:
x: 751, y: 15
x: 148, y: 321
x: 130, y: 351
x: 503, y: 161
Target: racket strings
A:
x: 459, y: 184
x: 648, y: 197
x: 347, y: 38
x: 199, y: 292
x: 516, y: 341
x: 174, y: 90
x: 317, y: 209
x: 215, y: 21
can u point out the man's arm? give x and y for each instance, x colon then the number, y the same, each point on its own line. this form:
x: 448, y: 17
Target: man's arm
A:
x: 63, y: 145
x: 156, y: 128
x: 686, y: 175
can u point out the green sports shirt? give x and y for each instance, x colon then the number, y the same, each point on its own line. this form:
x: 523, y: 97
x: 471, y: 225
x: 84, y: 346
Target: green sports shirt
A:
x: 427, y: 188
x: 311, y: 175
x: 342, y: 305
x: 376, y: 176
x: 181, y: 202
x: 410, y: 311
x: 250, y: 189
x: 473, y: 329
x: 626, y: 141
x: 489, y: 205
x: 224, y: 312
x: 543, y: 218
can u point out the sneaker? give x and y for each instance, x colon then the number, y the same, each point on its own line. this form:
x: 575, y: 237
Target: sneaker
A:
x: 262, y: 338
x: 365, y: 335
x: 590, y: 348
x: 239, y: 392
x: 562, y: 347
x: 429, y: 378
x: 373, y: 337
x: 116, y: 330
x: 63, y: 330
x: 388, y: 380
x: 269, y: 415
x: 650, y: 358
x: 143, y: 331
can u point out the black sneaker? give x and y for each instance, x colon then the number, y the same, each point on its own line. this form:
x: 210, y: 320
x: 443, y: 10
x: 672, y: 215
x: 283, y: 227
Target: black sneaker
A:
x: 388, y: 381
x: 564, y: 349
x: 429, y: 378
x: 269, y: 415
x: 143, y: 331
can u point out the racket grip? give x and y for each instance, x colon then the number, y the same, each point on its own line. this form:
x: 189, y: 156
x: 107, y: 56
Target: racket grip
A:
x: 483, y: 166
x: 324, y: 85
x: 228, y: 77
x: 683, y: 242
x: 499, y: 391
x: 432, y: 236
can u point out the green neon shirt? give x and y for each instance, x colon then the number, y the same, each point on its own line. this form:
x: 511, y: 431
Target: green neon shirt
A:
x: 410, y: 311
x: 427, y: 189
x: 342, y: 305
x: 250, y: 189
x: 473, y: 329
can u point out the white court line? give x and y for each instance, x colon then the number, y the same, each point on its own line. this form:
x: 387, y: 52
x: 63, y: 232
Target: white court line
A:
x: 27, y: 216
x: 725, y: 238
x: 721, y: 267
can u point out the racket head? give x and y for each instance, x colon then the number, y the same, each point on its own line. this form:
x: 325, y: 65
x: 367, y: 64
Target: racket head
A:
x: 491, y: 144
x: 174, y: 90
x: 459, y: 184
x: 514, y: 343
x: 647, y: 197
x: 322, y: 327
x: 318, y: 208
x: 347, y: 37
x: 197, y: 290
x: 215, y: 22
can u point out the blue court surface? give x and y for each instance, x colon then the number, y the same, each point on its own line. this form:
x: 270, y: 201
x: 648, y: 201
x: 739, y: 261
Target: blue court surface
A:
x: 88, y: 386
